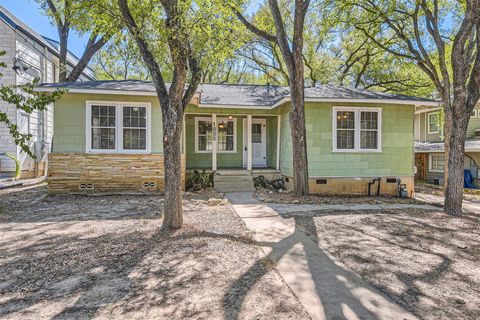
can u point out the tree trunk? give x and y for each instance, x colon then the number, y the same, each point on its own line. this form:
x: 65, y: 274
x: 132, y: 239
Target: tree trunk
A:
x: 299, y: 139
x: 456, y: 156
x: 172, y: 136
x: 63, y: 37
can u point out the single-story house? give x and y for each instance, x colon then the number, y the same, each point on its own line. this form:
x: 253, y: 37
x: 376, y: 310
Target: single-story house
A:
x: 108, y: 136
x: 429, y: 144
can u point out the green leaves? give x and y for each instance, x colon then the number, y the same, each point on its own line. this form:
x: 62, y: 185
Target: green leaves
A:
x: 26, y: 99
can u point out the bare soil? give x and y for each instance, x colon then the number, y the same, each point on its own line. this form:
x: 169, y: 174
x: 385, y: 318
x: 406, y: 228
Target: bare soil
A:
x: 269, y: 196
x: 104, y: 257
x: 427, y: 188
x: 426, y: 261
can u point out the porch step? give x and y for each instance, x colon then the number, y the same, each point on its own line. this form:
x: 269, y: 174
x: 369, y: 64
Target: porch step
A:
x: 233, y: 181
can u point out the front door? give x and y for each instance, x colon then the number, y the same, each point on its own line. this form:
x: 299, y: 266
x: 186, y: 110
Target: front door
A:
x: 259, y: 143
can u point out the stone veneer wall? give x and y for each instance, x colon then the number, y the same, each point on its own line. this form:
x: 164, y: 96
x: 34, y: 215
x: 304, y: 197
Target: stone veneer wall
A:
x: 67, y: 172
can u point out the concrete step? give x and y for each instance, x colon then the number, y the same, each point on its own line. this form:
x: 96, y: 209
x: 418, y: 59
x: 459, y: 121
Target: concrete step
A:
x: 233, y: 178
x: 224, y: 172
x: 233, y: 181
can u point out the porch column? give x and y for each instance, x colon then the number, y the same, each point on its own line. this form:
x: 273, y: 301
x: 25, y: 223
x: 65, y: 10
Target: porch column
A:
x: 184, y: 137
x: 249, y: 142
x: 279, y: 122
x: 214, y: 142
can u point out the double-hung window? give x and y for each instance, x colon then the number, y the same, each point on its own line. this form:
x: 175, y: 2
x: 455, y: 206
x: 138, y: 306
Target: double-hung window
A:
x: 357, y: 129
x: 437, y: 162
x: 433, y: 122
x: 117, y: 127
x: 226, y: 135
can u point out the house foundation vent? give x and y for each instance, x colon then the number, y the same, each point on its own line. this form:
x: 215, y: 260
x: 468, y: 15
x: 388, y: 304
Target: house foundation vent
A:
x: 321, y: 181
x: 86, y: 186
x: 149, y: 185
x: 391, y: 180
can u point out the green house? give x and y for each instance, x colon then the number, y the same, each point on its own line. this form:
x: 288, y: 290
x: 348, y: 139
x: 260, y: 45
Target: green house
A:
x: 108, y: 136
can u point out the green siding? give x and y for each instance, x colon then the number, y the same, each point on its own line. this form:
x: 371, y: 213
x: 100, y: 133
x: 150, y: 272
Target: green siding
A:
x: 69, y: 123
x: 397, y: 137
x: 397, y: 140
x: 204, y: 160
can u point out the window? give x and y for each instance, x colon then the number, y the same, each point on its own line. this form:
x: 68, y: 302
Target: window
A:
x: 103, y: 127
x: 437, y: 162
x: 134, y: 128
x: 256, y: 133
x: 356, y: 129
x: 474, y: 113
x: 227, y: 130
x: 433, y: 122
x: 117, y: 127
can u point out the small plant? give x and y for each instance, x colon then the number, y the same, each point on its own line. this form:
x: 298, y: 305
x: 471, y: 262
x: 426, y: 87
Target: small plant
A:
x: 197, y: 180
x: 262, y: 182
x: 18, y: 171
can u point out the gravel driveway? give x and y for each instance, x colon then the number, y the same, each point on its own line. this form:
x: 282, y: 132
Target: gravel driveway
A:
x: 77, y: 257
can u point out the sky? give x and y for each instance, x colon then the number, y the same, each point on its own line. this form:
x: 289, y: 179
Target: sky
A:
x: 30, y: 13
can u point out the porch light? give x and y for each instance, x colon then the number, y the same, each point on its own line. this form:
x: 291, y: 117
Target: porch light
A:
x: 221, y: 125
x: 230, y: 117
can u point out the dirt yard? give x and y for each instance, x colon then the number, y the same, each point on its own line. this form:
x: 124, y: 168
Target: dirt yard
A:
x: 425, y: 261
x: 427, y: 188
x: 77, y: 257
x: 269, y: 196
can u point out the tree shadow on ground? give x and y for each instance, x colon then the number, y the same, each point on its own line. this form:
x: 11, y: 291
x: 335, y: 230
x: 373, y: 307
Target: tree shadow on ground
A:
x: 339, y: 296
x: 423, y: 261
x: 82, y: 277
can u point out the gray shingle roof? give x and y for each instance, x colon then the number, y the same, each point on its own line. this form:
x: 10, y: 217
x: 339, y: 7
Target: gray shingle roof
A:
x: 427, y: 147
x: 241, y: 95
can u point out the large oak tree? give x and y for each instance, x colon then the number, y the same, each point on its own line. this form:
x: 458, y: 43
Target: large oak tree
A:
x: 442, y: 38
x: 188, y: 30
x: 291, y: 49
x: 91, y: 18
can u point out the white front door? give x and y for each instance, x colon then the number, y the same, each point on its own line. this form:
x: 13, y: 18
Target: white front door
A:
x: 259, y: 143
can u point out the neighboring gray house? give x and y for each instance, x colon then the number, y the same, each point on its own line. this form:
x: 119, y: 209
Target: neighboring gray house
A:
x: 429, y: 145
x: 28, y: 56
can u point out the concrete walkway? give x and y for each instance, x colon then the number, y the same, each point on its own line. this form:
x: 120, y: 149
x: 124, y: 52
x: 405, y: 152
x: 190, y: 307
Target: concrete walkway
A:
x: 468, y: 206
x: 322, y: 284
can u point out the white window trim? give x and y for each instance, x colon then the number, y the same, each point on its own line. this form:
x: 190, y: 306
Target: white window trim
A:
x: 475, y: 113
x: 357, y: 130
x: 430, y: 156
x: 428, y: 123
x: 197, y: 119
x: 118, y: 127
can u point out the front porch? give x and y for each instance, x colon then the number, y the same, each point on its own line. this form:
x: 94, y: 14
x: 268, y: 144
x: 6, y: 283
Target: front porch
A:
x: 229, y: 141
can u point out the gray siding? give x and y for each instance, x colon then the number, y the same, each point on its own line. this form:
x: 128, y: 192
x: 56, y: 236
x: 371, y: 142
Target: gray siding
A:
x: 473, y: 124
x: 7, y: 44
